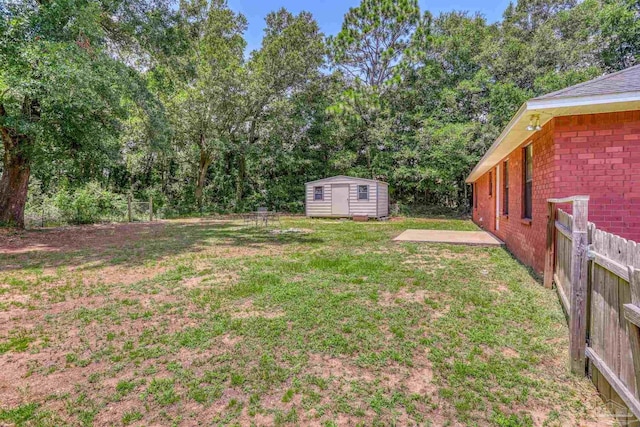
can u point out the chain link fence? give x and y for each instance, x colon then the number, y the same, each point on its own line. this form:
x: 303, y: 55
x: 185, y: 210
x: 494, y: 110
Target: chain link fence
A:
x: 49, y: 215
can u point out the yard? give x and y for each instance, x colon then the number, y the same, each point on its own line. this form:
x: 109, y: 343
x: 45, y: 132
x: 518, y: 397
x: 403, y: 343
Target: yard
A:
x: 209, y: 322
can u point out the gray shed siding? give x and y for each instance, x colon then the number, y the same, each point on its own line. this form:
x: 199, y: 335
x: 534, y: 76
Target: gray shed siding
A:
x: 378, y: 193
x: 318, y: 207
x: 363, y: 207
x: 383, y: 199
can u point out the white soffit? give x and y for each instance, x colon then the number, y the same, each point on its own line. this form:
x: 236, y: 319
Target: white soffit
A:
x: 516, y: 131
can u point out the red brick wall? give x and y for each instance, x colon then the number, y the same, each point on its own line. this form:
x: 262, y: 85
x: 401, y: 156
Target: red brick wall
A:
x: 484, y: 215
x: 525, y: 239
x: 597, y: 155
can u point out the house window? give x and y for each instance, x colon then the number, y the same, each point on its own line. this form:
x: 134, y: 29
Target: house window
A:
x: 527, y: 188
x: 318, y: 193
x: 490, y: 184
x: 363, y: 192
x: 505, y: 188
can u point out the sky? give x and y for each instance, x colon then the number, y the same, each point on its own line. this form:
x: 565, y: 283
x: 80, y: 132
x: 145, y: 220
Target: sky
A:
x: 329, y: 13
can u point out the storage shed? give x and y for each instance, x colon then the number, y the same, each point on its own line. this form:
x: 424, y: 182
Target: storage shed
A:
x: 346, y: 197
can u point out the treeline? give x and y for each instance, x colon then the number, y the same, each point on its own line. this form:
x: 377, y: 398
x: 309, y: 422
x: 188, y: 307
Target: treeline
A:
x: 154, y: 98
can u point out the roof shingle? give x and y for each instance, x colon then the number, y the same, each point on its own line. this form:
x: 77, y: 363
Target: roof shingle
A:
x: 627, y: 80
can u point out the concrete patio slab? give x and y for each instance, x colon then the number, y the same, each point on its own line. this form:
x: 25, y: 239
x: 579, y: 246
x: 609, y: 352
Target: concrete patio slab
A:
x: 481, y: 238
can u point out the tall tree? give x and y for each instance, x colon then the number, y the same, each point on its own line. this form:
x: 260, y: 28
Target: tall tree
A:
x: 373, y: 38
x: 367, y: 50
x: 208, y: 77
x: 619, y: 23
x: 61, y: 85
x: 290, y: 57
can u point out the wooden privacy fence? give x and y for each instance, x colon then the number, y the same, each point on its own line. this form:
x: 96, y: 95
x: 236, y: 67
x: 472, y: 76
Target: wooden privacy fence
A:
x: 599, y: 287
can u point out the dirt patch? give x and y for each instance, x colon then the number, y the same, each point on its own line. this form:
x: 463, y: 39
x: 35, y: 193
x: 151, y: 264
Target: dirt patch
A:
x: 207, y: 280
x: 230, y: 341
x: 94, y: 243
x: 405, y: 295
x: 15, y: 299
x: 119, y: 275
x: 246, y: 309
x: 417, y: 379
x: 219, y: 407
x: 259, y: 419
x: 75, y: 237
x: 434, y: 303
x: 510, y: 353
x: 113, y: 412
x: 326, y: 366
x: 414, y: 380
x: 420, y: 381
x: 388, y: 299
x: 433, y: 259
x: 500, y: 289
x: 230, y: 251
x: 191, y: 283
x: 20, y: 382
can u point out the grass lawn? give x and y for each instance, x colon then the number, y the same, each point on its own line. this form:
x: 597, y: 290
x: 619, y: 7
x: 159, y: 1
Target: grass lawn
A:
x: 192, y: 322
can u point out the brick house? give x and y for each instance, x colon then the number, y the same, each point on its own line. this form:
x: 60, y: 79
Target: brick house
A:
x: 582, y: 140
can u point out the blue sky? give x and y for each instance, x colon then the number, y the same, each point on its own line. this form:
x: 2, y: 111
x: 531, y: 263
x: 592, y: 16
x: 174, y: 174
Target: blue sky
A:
x: 329, y: 13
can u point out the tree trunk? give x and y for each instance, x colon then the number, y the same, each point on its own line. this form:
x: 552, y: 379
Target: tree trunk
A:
x: 203, y: 167
x: 15, y: 180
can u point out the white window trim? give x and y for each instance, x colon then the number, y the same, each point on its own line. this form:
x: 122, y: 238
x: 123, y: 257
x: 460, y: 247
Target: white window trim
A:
x: 363, y: 185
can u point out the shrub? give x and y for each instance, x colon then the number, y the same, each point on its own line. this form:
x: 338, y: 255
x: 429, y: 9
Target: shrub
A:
x: 89, y: 204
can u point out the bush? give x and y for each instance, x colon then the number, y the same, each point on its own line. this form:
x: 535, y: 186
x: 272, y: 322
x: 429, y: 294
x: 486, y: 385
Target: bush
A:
x: 292, y: 207
x: 428, y: 211
x: 90, y: 204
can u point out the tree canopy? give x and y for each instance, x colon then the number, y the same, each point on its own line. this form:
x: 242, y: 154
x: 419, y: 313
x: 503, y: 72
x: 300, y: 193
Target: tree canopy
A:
x: 150, y: 97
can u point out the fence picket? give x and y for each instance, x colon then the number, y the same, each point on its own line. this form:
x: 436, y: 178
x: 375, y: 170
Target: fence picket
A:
x: 613, y: 341
x: 624, y: 297
x: 627, y: 370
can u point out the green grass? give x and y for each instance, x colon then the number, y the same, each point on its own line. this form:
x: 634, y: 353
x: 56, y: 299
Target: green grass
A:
x: 214, y: 322
x: 17, y: 341
x: 131, y: 417
x: 20, y: 414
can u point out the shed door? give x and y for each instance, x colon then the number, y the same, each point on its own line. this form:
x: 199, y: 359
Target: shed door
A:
x: 340, y: 199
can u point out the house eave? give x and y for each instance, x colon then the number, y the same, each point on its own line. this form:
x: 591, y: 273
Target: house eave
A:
x: 515, y: 132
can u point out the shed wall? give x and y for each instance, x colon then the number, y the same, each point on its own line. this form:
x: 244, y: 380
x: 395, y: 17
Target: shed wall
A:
x: 318, y: 208
x: 322, y: 208
x: 383, y: 199
x: 363, y: 207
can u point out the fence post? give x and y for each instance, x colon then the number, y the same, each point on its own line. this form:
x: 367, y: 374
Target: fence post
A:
x: 578, y: 298
x: 550, y: 252
x: 150, y: 208
x: 129, y: 216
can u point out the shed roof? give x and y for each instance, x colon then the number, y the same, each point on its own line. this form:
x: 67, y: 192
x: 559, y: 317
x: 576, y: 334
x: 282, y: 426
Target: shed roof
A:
x: 345, y: 177
x: 614, y: 92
